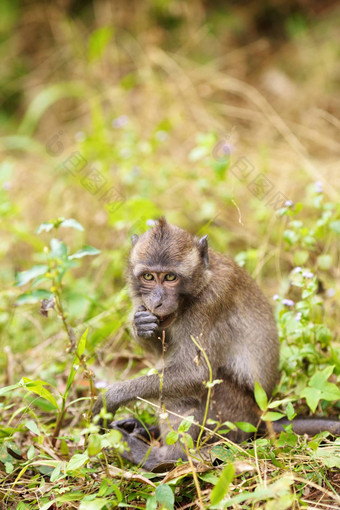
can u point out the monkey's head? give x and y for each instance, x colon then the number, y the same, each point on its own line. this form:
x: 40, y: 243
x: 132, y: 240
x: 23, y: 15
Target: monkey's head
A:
x: 168, y: 266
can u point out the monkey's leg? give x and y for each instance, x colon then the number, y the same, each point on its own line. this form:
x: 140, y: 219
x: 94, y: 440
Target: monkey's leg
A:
x: 161, y: 458
x: 231, y: 402
x: 151, y: 458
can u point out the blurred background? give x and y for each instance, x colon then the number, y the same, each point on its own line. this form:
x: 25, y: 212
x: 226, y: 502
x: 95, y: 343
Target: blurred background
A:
x: 216, y: 114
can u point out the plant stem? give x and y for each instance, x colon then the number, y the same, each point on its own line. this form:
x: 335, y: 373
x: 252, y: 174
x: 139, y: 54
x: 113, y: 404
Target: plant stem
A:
x: 194, y: 473
x: 208, y: 393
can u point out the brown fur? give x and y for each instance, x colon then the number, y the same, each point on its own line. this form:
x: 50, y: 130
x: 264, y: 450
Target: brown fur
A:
x: 216, y: 302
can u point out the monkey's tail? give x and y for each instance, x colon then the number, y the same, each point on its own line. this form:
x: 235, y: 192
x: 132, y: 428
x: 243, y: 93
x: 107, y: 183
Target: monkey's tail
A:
x: 306, y: 425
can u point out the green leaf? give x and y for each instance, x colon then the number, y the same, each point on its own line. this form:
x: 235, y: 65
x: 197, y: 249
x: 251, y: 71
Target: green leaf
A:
x: 73, y: 496
x: 198, y: 153
x: 245, y: 426
x: 71, y: 223
x: 312, y: 397
x: 55, y: 473
x: 95, y: 504
x: 86, y: 250
x: 82, y: 343
x: 58, y: 249
x: 151, y: 503
x: 330, y: 456
x: 335, y: 226
x: 222, y: 486
x: 37, y: 387
x: 9, y: 467
x: 222, y: 453
x: 98, y: 41
x: 77, y: 461
x: 319, y: 388
x: 188, y: 440
x: 185, y: 424
x: 26, y: 276
x: 320, y: 378
x: 71, y: 376
x: 171, y: 437
x: 47, y: 505
x: 45, y: 227
x: 300, y: 257
x: 7, y: 389
x: 165, y: 496
x: 33, y: 297
x: 31, y: 452
x: 260, y: 397
x: 324, y: 262
x: 94, y: 445
x: 210, y: 477
x: 32, y: 426
x: 290, y: 411
x: 272, y: 416
x: 277, y: 403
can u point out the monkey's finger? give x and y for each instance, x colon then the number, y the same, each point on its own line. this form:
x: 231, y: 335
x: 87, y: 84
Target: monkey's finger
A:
x: 141, y: 308
x: 147, y: 333
x: 145, y: 321
x: 149, y: 326
x: 145, y: 317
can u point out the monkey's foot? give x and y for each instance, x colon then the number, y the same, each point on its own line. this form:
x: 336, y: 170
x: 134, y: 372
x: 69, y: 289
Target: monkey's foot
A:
x: 133, y: 426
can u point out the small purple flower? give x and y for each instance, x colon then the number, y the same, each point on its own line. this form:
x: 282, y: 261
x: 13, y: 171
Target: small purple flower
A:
x: 161, y: 135
x: 330, y: 293
x: 100, y: 384
x: 126, y: 153
x: 276, y: 297
x: 151, y: 223
x: 288, y: 302
x: 307, y: 274
x: 136, y: 171
x: 298, y: 316
x: 227, y: 148
x: 318, y: 187
x: 120, y: 122
x: 289, y: 203
x: 80, y: 136
x: 297, y: 269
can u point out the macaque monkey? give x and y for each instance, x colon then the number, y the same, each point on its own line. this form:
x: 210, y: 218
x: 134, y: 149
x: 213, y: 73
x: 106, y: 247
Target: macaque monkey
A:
x: 183, y: 290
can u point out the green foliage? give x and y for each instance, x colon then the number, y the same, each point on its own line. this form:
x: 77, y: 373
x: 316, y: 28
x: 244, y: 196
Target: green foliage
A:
x: 106, y: 127
x: 260, y: 397
x: 306, y: 341
x: 319, y: 388
x: 222, y: 486
x: 165, y: 497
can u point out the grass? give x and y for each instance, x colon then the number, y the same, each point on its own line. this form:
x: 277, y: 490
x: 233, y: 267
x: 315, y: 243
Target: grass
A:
x: 118, y: 118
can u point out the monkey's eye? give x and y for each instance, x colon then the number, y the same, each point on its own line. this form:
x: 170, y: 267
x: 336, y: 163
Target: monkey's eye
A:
x: 148, y: 277
x: 170, y: 277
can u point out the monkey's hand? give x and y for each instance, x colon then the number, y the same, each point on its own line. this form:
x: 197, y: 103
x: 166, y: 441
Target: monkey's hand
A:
x: 145, y: 322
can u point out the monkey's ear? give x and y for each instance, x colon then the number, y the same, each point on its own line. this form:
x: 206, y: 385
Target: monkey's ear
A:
x: 203, y: 249
x: 134, y: 239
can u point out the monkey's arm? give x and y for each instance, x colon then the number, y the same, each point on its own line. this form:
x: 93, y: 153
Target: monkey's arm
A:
x: 176, y: 384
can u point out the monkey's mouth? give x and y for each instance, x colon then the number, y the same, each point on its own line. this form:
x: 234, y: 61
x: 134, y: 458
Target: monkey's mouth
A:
x: 166, y: 320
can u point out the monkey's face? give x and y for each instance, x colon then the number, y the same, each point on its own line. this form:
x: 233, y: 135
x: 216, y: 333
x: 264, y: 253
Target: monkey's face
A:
x: 167, y: 267
x: 160, y: 295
